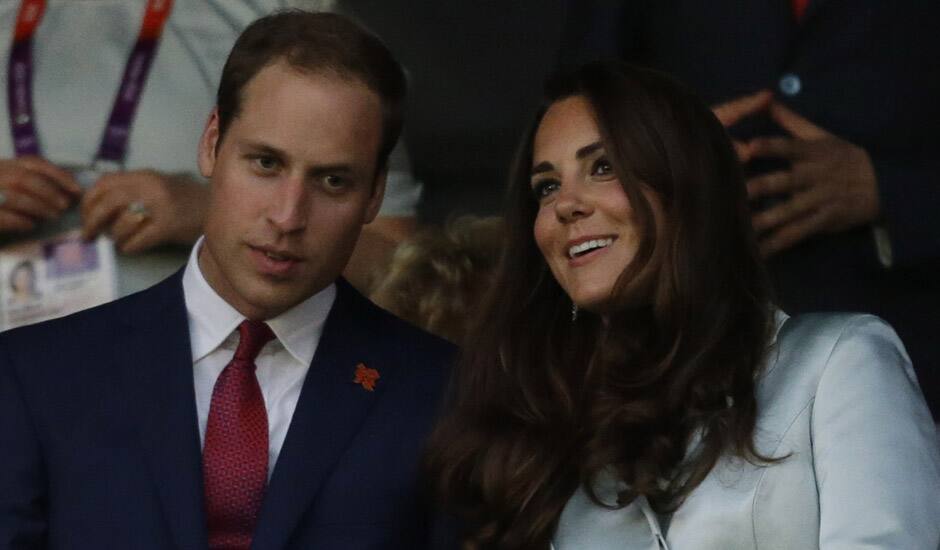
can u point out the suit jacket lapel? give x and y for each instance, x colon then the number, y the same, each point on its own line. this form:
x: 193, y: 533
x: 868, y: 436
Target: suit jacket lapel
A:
x: 154, y: 352
x: 329, y: 413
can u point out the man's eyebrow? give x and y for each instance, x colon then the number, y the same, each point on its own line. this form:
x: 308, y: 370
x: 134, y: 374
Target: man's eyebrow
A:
x: 327, y: 169
x: 316, y: 171
x: 259, y: 147
x: 588, y: 149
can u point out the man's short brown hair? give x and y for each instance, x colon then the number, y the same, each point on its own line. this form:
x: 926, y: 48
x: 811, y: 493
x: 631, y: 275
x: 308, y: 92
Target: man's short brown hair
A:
x: 315, y: 43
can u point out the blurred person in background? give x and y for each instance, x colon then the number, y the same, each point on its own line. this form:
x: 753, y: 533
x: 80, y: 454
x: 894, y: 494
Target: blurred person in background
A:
x: 438, y: 278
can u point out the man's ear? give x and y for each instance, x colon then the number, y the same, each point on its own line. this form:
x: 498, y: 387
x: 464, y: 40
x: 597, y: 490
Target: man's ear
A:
x: 207, y: 145
x: 378, y: 193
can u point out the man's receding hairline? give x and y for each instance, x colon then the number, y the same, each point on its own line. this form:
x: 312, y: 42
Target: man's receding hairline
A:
x: 300, y: 70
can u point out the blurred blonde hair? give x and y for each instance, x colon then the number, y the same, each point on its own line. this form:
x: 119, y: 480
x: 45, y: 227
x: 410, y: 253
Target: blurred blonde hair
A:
x: 437, y: 277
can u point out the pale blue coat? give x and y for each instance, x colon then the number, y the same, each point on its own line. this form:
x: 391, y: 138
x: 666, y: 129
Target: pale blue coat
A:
x: 839, y: 396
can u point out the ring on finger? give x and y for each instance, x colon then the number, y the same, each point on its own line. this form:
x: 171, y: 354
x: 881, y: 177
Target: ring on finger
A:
x: 138, y: 211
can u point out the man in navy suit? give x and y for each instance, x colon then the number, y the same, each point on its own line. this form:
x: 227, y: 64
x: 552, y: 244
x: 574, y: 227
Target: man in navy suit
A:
x: 254, y: 399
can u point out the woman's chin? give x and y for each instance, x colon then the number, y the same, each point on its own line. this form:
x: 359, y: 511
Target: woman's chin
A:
x: 599, y: 305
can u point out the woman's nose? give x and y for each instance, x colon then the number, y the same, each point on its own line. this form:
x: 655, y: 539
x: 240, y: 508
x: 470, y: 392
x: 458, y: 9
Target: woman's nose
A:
x: 572, y: 203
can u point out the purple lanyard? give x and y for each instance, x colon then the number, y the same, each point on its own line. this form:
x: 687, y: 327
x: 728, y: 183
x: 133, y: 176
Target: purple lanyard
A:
x: 113, y: 146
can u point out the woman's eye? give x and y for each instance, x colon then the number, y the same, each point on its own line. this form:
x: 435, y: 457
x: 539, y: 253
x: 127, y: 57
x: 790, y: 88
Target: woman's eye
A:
x: 543, y: 188
x: 602, y: 167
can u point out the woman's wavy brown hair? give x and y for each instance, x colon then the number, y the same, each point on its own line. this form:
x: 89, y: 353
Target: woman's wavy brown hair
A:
x: 542, y: 404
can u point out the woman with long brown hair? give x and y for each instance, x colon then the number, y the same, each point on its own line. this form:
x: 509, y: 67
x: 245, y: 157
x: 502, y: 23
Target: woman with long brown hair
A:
x: 630, y: 384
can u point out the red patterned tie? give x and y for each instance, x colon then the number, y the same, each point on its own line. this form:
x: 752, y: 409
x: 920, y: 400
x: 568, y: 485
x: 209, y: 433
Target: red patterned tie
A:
x: 235, y: 454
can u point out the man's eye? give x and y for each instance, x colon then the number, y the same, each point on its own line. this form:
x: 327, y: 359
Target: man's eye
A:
x: 266, y: 164
x: 333, y: 181
x: 602, y: 167
x: 543, y: 188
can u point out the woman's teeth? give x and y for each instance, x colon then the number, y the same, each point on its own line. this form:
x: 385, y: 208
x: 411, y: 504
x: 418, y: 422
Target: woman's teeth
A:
x: 587, y: 246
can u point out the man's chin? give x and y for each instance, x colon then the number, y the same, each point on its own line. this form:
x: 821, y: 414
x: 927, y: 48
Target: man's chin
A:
x: 269, y: 299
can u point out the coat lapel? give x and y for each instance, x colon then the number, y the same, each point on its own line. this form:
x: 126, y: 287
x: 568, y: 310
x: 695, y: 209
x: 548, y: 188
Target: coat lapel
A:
x: 329, y: 413
x: 154, y: 351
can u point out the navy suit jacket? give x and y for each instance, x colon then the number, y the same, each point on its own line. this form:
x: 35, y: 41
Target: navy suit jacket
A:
x: 867, y: 73
x: 99, y: 445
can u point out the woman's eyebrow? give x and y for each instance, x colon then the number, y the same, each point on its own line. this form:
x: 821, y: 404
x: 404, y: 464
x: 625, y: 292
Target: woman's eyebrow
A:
x: 541, y: 167
x: 588, y: 149
x: 581, y: 153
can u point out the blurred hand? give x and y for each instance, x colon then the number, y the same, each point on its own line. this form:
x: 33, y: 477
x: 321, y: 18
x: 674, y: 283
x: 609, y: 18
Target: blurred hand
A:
x: 142, y: 209
x: 32, y: 190
x: 732, y: 112
x: 829, y: 187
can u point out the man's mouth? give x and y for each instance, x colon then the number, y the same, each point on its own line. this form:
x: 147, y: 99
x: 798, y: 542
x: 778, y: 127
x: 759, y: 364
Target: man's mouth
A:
x: 278, y: 263
x: 276, y: 255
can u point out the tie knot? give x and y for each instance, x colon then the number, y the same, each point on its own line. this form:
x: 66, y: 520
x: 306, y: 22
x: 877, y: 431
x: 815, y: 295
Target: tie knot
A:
x: 253, y: 335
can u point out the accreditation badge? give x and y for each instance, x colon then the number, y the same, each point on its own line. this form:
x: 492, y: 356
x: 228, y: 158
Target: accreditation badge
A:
x: 50, y: 277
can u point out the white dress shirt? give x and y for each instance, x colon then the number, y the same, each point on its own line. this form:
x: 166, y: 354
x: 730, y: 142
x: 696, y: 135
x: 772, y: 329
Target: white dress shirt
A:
x: 282, y: 364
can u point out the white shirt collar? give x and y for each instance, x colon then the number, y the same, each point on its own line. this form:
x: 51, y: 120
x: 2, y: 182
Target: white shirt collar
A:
x: 212, y: 319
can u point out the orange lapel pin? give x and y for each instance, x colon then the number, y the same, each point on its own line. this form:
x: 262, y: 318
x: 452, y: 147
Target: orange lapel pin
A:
x: 366, y: 377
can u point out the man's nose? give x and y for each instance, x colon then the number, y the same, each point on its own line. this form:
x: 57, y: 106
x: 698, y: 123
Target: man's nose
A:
x: 289, y: 206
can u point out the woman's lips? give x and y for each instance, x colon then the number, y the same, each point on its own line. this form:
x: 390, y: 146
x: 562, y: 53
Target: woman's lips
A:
x: 584, y: 250
x: 588, y: 257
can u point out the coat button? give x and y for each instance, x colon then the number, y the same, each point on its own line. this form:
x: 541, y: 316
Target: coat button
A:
x: 790, y: 84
